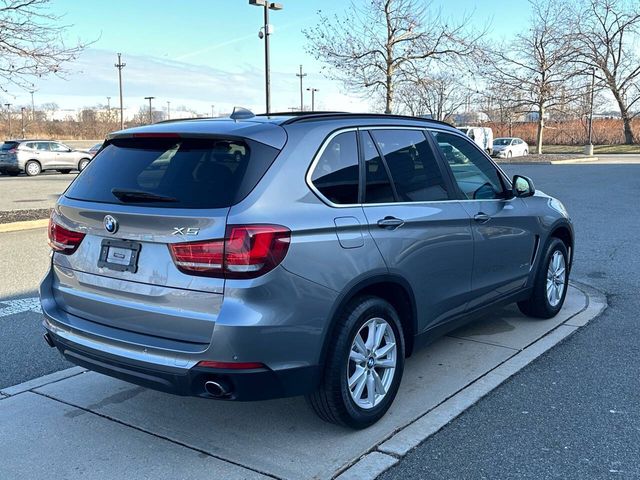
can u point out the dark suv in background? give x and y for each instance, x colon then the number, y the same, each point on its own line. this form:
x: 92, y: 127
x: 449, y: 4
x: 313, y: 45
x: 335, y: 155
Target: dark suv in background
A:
x: 271, y: 256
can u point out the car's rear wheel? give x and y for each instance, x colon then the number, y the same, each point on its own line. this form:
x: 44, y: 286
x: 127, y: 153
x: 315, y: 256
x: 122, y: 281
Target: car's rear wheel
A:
x: 32, y: 168
x: 83, y: 164
x: 550, y: 284
x: 364, y: 365
x: 66, y: 170
x: 525, y: 153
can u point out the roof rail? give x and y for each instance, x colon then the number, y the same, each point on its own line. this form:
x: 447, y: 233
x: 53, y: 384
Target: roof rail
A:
x: 333, y: 115
x: 298, y: 113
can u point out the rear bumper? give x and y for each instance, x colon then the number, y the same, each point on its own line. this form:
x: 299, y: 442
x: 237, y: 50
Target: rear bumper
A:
x: 245, y: 385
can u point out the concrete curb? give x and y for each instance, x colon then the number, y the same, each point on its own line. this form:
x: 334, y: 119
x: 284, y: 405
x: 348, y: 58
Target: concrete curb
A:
x: 547, y: 162
x: 40, y: 382
x: 391, y: 450
x: 26, y: 225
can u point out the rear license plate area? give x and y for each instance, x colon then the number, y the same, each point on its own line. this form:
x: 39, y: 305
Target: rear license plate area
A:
x: 119, y: 255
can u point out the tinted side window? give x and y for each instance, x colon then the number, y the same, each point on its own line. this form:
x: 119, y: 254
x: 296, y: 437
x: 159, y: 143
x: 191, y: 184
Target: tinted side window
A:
x: 413, y: 166
x: 58, y: 147
x: 474, y: 174
x: 378, y: 187
x: 336, y: 173
x: 44, y: 146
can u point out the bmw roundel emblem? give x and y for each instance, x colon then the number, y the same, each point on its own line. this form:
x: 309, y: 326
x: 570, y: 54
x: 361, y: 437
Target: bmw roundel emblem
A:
x: 110, y: 224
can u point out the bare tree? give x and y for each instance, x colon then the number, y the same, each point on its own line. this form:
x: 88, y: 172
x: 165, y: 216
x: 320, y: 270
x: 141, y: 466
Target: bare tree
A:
x: 375, y: 43
x: 538, y: 65
x: 439, y: 96
x: 31, y: 43
x: 607, y: 32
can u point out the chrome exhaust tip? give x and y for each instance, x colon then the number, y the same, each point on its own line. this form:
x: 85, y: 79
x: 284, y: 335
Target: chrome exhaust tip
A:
x: 49, y: 340
x: 216, y: 389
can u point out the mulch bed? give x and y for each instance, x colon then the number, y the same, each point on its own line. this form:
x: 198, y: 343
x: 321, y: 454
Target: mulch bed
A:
x: 23, y: 215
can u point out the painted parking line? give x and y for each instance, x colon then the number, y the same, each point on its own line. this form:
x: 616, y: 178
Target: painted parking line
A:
x: 21, y: 305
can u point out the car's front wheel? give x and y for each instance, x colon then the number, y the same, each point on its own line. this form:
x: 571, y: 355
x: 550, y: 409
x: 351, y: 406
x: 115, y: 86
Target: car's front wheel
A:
x: 550, y: 284
x: 364, y: 365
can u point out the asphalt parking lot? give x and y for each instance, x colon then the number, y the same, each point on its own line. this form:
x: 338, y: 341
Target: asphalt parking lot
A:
x: 573, y: 413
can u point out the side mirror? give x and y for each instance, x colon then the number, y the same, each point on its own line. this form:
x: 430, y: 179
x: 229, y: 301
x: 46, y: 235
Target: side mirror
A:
x: 522, y: 186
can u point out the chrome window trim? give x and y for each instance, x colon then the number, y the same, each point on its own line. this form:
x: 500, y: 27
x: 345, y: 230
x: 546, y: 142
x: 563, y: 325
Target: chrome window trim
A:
x: 334, y: 134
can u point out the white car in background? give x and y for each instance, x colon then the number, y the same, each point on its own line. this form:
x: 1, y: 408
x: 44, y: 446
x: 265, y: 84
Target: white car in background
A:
x: 510, y: 147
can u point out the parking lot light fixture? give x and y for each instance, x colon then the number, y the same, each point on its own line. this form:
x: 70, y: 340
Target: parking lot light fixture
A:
x: 313, y: 97
x: 264, y: 32
x: 8, y: 105
x: 150, y: 110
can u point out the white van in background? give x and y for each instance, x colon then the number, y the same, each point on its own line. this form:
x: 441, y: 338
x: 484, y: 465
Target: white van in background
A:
x: 482, y: 136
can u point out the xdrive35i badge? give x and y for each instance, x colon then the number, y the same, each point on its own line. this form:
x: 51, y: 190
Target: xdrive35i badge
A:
x: 110, y: 224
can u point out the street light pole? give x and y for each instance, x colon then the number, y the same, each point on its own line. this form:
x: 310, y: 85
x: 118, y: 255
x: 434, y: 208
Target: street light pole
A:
x: 22, y: 109
x: 33, y: 106
x: 8, y: 105
x: 593, y: 85
x: 301, y: 75
x: 168, y: 110
x: 150, y: 111
x: 120, y: 66
x: 265, y: 32
x: 313, y: 98
x: 212, y: 107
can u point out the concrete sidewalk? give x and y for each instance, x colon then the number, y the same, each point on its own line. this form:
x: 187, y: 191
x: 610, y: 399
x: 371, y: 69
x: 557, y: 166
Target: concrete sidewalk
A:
x: 77, y: 424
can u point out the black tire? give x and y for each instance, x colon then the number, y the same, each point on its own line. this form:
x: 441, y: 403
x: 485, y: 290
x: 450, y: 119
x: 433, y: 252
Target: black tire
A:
x: 65, y: 171
x: 333, y: 401
x: 82, y: 164
x: 509, y: 154
x: 31, y: 170
x: 538, y: 304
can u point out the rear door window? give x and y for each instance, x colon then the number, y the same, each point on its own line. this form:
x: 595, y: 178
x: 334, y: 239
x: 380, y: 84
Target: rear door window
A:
x: 413, y: 166
x: 174, y: 172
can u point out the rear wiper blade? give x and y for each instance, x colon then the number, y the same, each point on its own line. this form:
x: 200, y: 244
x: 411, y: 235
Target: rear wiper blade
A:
x: 140, y: 196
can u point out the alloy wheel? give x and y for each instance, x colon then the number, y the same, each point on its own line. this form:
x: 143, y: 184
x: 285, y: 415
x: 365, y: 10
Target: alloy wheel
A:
x: 372, y: 363
x: 556, y: 274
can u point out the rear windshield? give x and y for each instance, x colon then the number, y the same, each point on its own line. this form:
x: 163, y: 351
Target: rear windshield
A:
x: 173, y: 172
x: 9, y: 145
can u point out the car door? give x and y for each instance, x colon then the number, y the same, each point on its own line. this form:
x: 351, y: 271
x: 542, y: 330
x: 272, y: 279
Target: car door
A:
x: 502, y: 228
x: 64, y: 157
x: 423, y: 236
x: 45, y: 156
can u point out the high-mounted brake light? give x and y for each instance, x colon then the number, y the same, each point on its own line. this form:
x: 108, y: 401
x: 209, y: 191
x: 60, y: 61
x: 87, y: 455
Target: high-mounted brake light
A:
x: 63, y: 240
x: 155, y: 135
x: 247, y: 251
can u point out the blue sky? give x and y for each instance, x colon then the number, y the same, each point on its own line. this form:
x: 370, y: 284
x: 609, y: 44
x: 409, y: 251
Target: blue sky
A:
x: 202, y: 52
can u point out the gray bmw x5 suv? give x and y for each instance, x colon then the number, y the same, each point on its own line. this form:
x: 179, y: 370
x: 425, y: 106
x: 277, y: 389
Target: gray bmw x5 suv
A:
x: 281, y: 255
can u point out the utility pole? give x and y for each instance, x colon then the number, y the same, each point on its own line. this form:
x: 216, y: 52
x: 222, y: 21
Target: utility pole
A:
x: 301, y: 75
x: 168, y: 110
x: 120, y: 66
x: 8, y: 105
x: 212, y: 107
x: 150, y: 110
x: 22, y: 109
x: 264, y: 32
x: 313, y: 98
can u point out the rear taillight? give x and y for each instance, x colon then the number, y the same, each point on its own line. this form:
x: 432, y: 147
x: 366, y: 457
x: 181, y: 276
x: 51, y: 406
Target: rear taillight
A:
x: 63, y: 240
x: 247, y: 251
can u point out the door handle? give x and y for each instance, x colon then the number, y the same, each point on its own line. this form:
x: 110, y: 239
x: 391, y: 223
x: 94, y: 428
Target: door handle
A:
x: 390, y: 223
x: 481, y: 217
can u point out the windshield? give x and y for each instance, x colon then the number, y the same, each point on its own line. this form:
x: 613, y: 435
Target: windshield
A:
x: 173, y: 172
x: 502, y: 141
